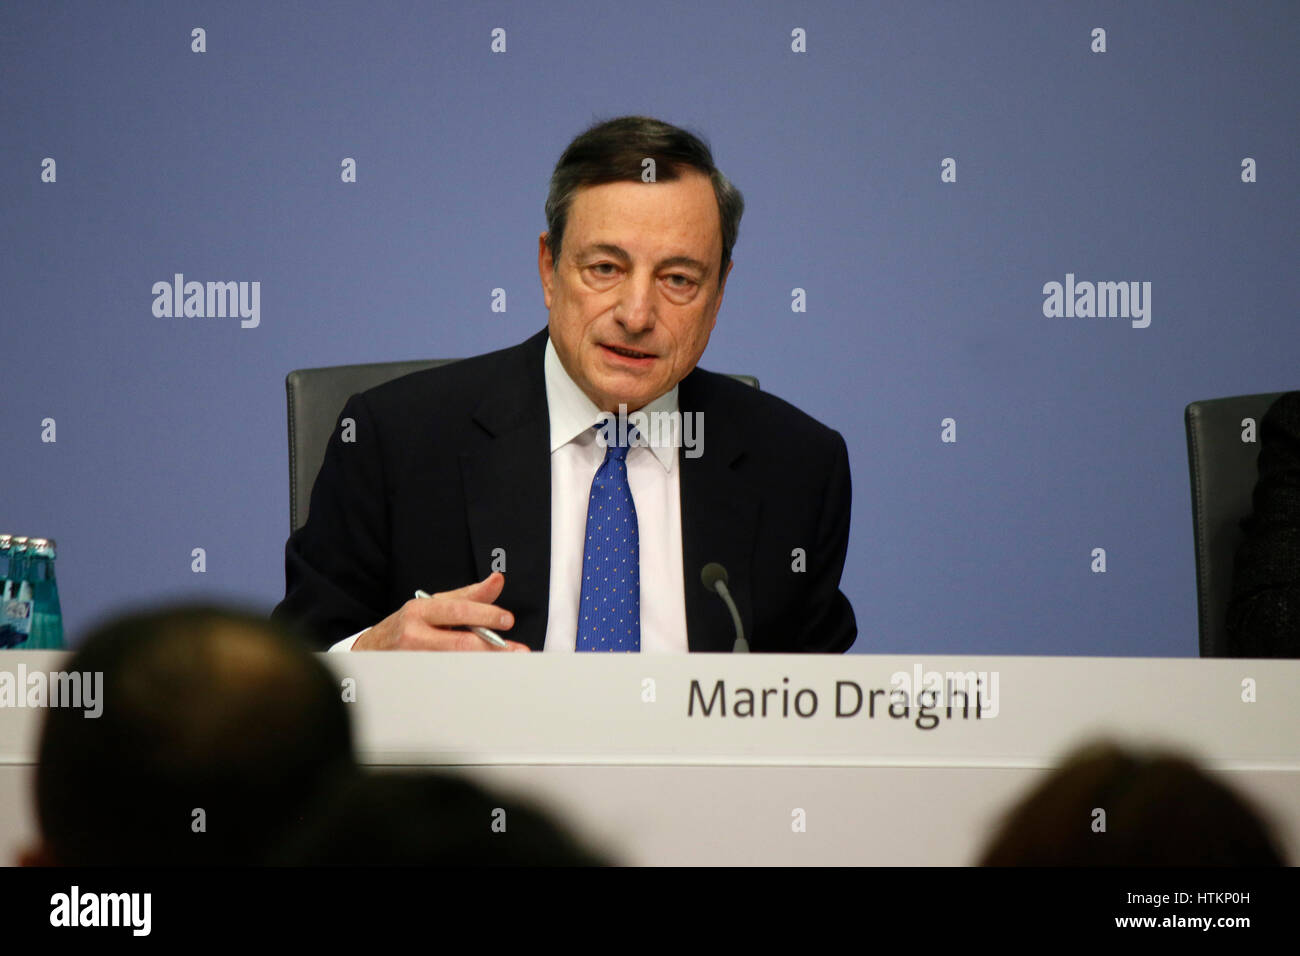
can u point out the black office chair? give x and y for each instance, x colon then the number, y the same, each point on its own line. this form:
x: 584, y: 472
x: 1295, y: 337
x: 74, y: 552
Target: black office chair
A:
x: 317, y: 395
x: 1223, y: 474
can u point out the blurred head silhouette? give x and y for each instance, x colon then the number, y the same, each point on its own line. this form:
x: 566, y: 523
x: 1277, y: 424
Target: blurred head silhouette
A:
x: 216, y: 728
x: 1106, y: 806
x: 427, y: 819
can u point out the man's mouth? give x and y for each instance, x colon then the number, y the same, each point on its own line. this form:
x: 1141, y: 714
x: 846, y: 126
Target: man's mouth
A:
x: 627, y: 352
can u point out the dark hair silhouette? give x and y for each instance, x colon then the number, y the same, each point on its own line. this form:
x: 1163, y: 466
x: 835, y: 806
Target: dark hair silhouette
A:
x: 426, y: 819
x: 210, y: 715
x: 1160, y: 810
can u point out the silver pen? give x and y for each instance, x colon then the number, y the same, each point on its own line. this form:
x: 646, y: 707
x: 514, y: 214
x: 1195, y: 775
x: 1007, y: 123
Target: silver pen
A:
x: 489, y: 635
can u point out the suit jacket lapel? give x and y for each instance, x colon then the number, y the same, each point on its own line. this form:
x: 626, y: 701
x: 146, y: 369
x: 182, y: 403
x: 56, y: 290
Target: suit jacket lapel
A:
x: 508, y: 490
x: 719, y: 515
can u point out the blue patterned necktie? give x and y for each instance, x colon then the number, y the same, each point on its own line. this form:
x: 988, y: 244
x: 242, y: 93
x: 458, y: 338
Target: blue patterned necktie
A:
x: 609, y: 613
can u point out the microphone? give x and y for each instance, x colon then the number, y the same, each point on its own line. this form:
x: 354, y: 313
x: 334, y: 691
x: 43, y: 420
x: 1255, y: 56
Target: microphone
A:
x: 714, y: 578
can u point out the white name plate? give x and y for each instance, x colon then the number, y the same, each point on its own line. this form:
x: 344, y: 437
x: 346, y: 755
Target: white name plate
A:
x: 851, y: 710
x: 831, y: 710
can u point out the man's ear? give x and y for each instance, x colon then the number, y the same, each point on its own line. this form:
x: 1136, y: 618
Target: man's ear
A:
x: 37, y: 854
x: 722, y: 288
x: 545, y: 268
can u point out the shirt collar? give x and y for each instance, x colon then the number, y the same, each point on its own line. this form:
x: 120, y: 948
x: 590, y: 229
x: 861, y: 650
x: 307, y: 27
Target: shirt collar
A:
x: 572, y: 413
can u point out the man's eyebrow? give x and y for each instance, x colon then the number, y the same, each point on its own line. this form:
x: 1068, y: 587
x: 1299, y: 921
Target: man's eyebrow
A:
x: 620, y: 253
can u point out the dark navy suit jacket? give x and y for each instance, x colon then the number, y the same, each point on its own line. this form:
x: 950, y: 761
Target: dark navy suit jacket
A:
x: 452, y: 463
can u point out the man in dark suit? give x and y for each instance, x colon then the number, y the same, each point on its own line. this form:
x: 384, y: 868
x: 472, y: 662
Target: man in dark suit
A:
x: 1264, y: 612
x: 446, y: 478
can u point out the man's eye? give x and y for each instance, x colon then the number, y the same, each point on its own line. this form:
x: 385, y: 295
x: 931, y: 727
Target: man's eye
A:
x: 686, y: 282
x: 604, y: 265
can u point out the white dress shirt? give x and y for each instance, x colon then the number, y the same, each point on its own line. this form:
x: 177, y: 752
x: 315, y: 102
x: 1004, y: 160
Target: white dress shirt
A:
x: 653, y: 474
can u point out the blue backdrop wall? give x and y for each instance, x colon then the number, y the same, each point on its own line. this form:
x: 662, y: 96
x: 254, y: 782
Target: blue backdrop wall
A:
x: 921, y: 170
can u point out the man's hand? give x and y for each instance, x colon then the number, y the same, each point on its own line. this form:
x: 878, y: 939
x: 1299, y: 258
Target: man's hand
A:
x: 427, y: 624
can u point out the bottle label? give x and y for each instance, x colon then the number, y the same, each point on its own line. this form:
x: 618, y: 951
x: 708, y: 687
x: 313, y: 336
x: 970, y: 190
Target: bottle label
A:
x: 15, y: 622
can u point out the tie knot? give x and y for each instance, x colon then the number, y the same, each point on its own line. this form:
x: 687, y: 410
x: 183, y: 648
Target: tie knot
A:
x: 617, y: 441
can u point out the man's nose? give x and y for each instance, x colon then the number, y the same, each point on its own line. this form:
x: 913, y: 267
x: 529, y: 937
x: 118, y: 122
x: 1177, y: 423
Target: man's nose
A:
x: 636, y: 308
